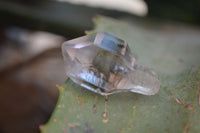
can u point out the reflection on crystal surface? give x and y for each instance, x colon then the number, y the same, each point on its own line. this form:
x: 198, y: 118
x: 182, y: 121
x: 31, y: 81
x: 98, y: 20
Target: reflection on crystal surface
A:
x: 104, y: 64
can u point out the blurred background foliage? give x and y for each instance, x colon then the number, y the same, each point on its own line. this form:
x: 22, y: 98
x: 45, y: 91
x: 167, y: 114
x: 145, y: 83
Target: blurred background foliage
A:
x: 31, y: 32
x: 182, y: 11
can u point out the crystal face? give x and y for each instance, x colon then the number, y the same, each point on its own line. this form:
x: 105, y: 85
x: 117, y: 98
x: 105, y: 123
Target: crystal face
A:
x: 103, y: 63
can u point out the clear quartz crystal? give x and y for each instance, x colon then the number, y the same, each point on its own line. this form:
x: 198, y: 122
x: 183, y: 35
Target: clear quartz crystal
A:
x: 103, y: 63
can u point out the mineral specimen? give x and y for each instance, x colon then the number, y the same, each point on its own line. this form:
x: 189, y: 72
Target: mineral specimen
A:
x: 104, y: 64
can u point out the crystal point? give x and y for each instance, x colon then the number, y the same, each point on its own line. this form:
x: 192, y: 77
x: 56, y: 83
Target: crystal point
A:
x: 104, y: 64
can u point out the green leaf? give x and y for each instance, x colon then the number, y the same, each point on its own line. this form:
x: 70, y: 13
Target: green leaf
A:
x: 175, y: 57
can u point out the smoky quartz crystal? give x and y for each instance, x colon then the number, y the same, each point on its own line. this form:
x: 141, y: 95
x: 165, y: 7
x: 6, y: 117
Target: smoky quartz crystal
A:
x: 104, y: 64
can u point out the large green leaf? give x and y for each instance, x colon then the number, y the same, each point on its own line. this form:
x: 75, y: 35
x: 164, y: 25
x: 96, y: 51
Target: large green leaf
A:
x: 173, y: 52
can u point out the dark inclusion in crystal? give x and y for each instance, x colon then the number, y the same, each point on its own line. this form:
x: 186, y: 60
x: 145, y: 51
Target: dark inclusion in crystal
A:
x: 103, y: 63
